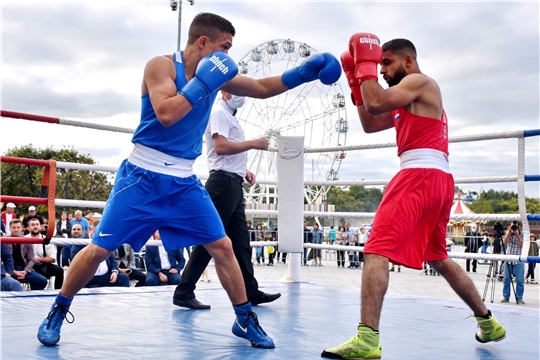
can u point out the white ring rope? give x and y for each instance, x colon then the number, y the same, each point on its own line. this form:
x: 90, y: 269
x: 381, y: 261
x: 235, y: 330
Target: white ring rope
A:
x: 471, y: 180
x: 95, y: 126
x: 453, y: 255
x: 363, y: 215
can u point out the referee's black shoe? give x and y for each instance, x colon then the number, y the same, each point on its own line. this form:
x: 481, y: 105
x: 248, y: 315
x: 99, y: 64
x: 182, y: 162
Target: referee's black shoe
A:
x: 264, y: 298
x: 191, y: 304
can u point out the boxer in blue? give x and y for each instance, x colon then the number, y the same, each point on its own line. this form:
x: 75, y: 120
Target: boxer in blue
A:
x: 155, y: 188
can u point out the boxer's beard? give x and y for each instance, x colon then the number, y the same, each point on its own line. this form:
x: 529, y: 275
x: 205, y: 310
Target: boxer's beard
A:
x: 398, y: 76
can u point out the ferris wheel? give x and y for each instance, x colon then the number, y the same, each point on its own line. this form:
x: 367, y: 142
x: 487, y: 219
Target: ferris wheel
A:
x: 313, y: 110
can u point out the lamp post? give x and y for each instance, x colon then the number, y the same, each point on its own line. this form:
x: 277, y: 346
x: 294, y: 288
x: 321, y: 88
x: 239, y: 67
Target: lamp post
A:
x: 177, y: 5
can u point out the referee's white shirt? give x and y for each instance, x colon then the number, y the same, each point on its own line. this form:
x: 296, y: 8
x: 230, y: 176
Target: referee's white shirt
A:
x: 223, y: 123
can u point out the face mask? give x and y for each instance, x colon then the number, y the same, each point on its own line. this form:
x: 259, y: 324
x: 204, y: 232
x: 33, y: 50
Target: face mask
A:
x: 236, y: 102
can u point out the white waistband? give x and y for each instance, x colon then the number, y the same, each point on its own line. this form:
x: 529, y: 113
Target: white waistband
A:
x: 424, y: 158
x: 156, y: 161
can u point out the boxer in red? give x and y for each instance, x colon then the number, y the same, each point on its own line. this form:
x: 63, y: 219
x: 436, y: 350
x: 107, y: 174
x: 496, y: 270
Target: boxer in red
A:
x: 410, y: 224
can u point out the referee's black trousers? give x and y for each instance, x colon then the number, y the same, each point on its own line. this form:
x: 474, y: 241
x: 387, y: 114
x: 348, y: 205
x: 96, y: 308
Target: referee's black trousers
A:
x: 226, y: 193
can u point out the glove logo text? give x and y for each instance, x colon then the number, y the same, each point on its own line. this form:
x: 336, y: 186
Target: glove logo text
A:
x: 219, y: 64
x: 370, y: 41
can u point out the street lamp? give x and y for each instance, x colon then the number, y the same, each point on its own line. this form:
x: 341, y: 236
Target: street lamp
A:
x: 177, y: 5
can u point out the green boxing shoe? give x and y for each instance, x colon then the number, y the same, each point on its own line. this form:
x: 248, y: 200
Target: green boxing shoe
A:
x: 490, y: 329
x: 365, y: 345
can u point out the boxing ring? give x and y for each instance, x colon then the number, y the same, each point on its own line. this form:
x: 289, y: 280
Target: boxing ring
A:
x: 142, y: 323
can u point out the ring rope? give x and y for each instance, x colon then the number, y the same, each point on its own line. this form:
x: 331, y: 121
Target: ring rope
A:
x: 453, y: 255
x: 51, y: 120
x: 456, y: 139
x: 471, y: 180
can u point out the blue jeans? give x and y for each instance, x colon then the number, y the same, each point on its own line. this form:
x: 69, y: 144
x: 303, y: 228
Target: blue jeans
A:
x: 153, y: 280
x: 36, y: 281
x: 10, y: 284
x: 518, y: 270
x: 105, y: 280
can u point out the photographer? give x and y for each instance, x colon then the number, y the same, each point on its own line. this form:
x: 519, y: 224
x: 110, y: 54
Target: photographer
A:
x: 514, y: 241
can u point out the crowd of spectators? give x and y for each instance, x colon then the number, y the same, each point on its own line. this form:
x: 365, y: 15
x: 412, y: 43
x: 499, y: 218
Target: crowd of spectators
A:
x: 34, y: 266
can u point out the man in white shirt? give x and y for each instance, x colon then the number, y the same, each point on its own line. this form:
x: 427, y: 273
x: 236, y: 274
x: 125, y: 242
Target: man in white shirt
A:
x: 45, y: 256
x: 7, y: 216
x: 227, y: 161
x: 164, y: 266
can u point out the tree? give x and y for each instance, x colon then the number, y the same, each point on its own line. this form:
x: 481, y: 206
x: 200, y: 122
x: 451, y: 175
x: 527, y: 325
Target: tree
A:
x: 502, y: 202
x: 356, y: 199
x: 25, y: 180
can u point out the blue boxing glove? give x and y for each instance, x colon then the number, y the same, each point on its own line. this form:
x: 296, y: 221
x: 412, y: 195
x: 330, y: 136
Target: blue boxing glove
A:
x: 212, y: 72
x: 318, y: 66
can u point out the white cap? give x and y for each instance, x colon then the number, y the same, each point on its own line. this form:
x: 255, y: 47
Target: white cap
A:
x: 10, y: 205
x: 32, y: 208
x: 96, y: 215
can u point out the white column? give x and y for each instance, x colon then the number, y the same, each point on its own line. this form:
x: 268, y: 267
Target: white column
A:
x: 290, y: 164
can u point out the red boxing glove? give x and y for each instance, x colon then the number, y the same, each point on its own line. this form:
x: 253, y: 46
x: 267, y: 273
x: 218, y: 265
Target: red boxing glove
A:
x: 347, y: 63
x: 366, y: 50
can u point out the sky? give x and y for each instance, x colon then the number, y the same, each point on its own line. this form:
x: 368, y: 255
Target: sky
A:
x: 84, y: 61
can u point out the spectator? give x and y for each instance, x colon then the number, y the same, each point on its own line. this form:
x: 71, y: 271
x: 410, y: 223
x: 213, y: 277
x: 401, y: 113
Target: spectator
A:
x: 449, y: 242
x: 533, y: 251
x: 317, y: 237
x: 78, y: 219
x: 361, y: 237
x: 67, y: 250
x: 63, y: 230
x: 8, y: 282
x: 280, y: 254
x: 472, y: 242
x: 70, y: 217
x: 7, y: 216
x: 268, y: 236
x: 259, y: 250
x: 125, y: 258
x: 63, y: 226
x: 45, y: 227
x: 23, y: 257
x: 107, y: 273
x: 45, y: 257
x: 31, y: 214
x: 484, y: 238
x: 350, y: 231
x: 351, y: 235
x: 89, y: 217
x: 164, y: 266
x: 308, y: 238
x: 252, y: 236
x: 514, y: 240
x: 332, y: 235
x: 341, y: 239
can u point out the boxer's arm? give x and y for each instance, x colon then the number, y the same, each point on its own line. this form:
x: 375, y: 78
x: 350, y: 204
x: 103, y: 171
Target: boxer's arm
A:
x: 260, y: 88
x: 374, y: 123
x: 223, y: 146
x: 159, y: 83
x: 379, y: 101
x: 324, y: 67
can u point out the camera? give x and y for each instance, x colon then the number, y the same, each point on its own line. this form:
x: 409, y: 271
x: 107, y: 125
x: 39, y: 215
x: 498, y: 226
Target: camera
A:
x: 514, y: 226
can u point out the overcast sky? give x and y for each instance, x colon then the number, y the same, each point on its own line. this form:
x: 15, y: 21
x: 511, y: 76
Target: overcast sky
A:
x: 84, y: 61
